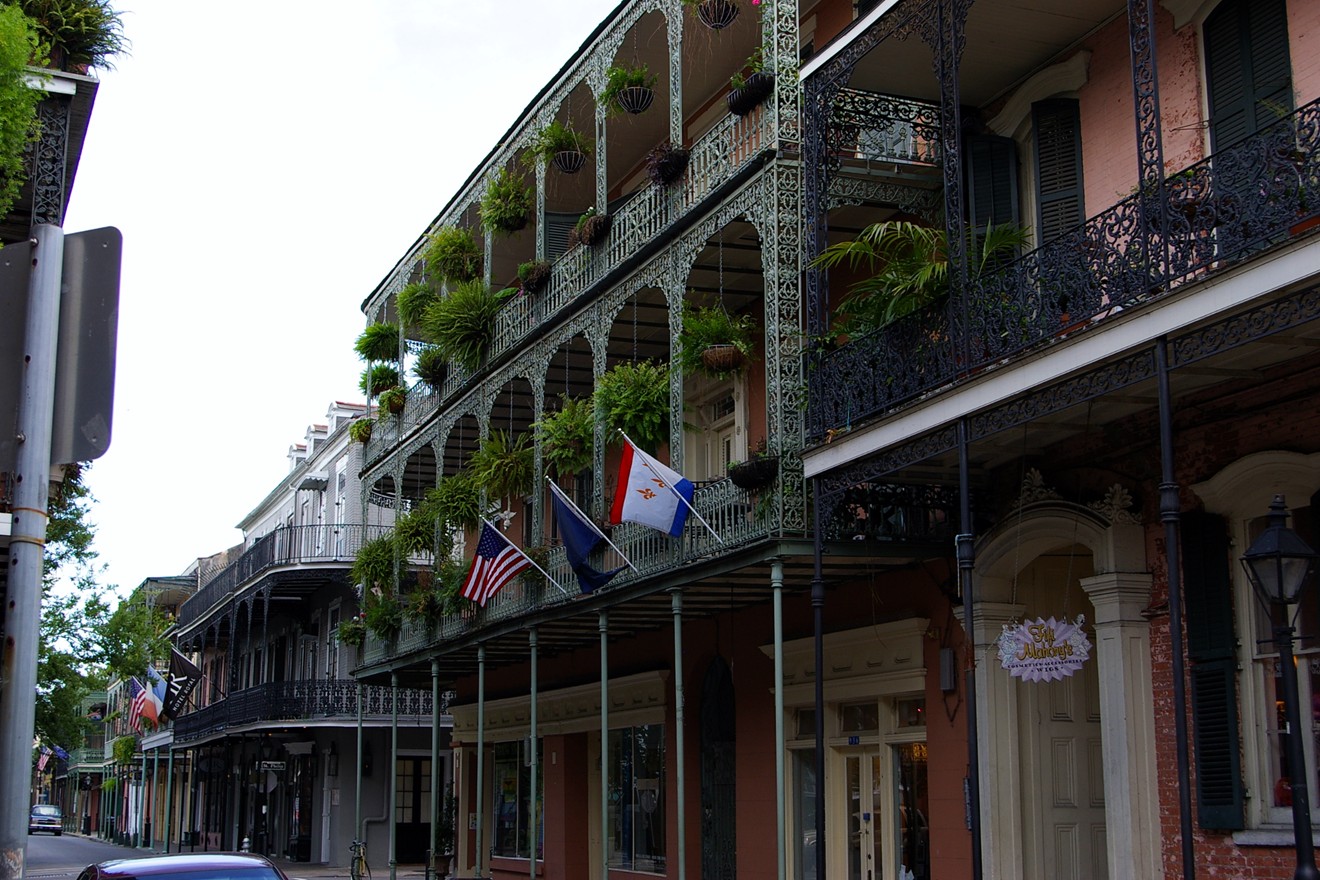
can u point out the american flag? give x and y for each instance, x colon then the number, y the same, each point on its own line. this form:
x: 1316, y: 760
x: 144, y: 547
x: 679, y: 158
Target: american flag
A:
x: 137, y: 702
x: 45, y: 756
x: 495, y: 563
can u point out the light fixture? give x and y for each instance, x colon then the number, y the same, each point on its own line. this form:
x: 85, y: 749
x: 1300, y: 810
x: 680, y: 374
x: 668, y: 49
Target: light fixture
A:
x: 1278, y: 562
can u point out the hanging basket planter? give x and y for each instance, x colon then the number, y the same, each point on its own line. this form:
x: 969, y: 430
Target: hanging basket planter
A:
x: 754, y: 474
x: 720, y: 359
x: 717, y: 14
x: 570, y: 161
x: 590, y: 230
x: 635, y: 99
x: 753, y: 92
x: 666, y: 164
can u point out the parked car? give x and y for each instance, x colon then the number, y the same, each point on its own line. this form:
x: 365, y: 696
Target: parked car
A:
x: 187, y: 866
x: 46, y: 817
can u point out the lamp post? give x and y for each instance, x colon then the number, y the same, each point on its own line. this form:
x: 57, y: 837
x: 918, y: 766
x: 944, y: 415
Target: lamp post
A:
x: 1278, y: 563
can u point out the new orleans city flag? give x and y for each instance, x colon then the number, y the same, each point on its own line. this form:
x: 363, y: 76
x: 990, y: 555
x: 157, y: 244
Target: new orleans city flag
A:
x: 649, y: 493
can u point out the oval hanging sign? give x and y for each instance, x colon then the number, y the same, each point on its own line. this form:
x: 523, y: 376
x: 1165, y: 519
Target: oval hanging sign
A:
x: 1044, y: 650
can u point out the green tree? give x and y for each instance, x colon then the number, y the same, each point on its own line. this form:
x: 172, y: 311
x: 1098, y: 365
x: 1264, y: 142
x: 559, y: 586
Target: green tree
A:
x: 18, y: 101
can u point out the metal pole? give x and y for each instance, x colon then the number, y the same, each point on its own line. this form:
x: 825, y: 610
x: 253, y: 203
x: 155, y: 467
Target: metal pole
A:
x: 531, y: 825
x: 394, y: 763
x: 818, y: 638
x: 357, y: 792
x: 142, y: 805
x: 676, y: 604
x: 481, y: 755
x: 966, y: 553
x: 1170, y: 514
x: 155, y: 788
x: 1301, y: 799
x: 36, y: 407
x: 169, y: 797
x: 435, y: 764
x: 777, y: 591
x: 604, y: 626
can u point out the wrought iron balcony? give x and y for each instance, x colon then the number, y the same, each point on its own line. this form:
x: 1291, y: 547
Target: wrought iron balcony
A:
x: 87, y: 757
x: 284, y: 702
x: 868, y: 127
x: 287, y: 545
x: 732, y: 145
x: 1211, y: 216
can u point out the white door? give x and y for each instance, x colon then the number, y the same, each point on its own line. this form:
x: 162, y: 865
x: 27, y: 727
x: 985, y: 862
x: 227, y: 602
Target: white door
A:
x: 863, y: 790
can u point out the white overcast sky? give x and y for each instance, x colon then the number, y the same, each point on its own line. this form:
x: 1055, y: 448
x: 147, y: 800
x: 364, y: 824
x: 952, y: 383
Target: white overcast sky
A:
x: 267, y: 163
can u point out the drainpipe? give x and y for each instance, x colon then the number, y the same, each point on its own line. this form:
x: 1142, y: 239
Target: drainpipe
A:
x: 777, y: 590
x: 394, y: 762
x: 435, y: 765
x: 531, y: 830
x: 604, y: 627
x: 676, y: 604
x: 818, y: 639
x: 481, y: 755
x: 966, y: 554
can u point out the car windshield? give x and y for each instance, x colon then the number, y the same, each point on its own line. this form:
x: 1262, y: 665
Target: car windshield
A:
x: 46, y: 810
x: 212, y: 874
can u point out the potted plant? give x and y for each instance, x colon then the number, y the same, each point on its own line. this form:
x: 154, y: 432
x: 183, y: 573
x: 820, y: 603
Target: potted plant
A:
x: 567, y: 436
x: 714, y: 14
x: 534, y: 275
x: 591, y: 229
x: 757, y: 472
x: 462, y: 324
x: 714, y: 342
x: 748, y: 92
x: 384, y: 615
x: 353, y: 631
x: 444, y: 833
x: 505, y: 204
x: 456, y: 501
x: 453, y: 255
x: 413, y: 301
x: 634, y: 398
x: 503, y: 466
x: 432, y: 368
x: 360, y: 431
x: 373, y: 566
x: 629, y: 88
x: 393, y: 400
x: 561, y: 144
x: 666, y: 163
x: 378, y: 378
x: 378, y: 342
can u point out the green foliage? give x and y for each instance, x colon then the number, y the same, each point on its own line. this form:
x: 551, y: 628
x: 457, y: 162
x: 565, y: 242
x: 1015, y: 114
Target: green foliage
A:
x: 462, y: 324
x: 76, y: 34
x: 373, y: 567
x: 453, y: 255
x: 18, y: 103
x: 360, y: 430
x: 622, y: 77
x: 380, y: 377
x: 505, y: 204
x: 379, y: 342
x: 133, y: 637
x: 567, y: 436
x: 557, y: 138
x: 352, y: 631
x: 432, y: 368
x: 457, y: 501
x: 503, y: 466
x: 755, y: 64
x: 634, y: 398
x: 123, y: 749
x: 413, y: 301
x: 534, y: 274
x: 414, y: 532
x: 384, y: 614
x: 712, y: 325
x: 910, y: 268
x: 393, y: 400
x: 444, y: 826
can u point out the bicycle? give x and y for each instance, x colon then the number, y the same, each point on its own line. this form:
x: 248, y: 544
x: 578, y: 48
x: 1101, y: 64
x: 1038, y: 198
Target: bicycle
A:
x: 357, y: 863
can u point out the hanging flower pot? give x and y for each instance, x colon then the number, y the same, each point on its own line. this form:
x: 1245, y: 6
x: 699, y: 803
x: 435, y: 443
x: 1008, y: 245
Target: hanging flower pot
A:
x: 756, y: 473
x: 751, y: 93
x: 570, y: 161
x: 591, y: 229
x: 635, y: 99
x: 722, y: 359
x: 666, y: 163
x: 717, y: 14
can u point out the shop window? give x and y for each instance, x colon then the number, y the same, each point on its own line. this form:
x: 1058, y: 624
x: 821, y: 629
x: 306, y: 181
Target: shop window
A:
x: 856, y: 718
x: 636, y: 808
x: 512, y: 801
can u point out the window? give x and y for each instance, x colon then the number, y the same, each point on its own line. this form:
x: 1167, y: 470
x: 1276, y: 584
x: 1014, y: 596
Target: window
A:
x: 637, y: 798
x: 1057, y: 144
x: 512, y: 804
x: 1248, y: 72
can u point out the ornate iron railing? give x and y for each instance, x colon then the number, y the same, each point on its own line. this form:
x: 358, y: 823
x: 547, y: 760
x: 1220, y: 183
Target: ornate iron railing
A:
x: 287, y: 545
x: 299, y: 701
x: 87, y: 757
x: 883, y: 128
x: 1251, y: 195
x: 732, y: 144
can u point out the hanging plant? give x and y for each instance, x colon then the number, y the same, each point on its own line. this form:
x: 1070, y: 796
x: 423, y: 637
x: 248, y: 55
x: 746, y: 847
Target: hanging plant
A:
x: 384, y: 615
x: 590, y: 229
x: 373, y: 566
x: 666, y: 163
x: 414, y: 531
x: 360, y: 431
x: 562, y: 145
x: 714, y: 342
x: 567, y: 436
x: 393, y: 400
x: 757, y: 472
x: 352, y: 632
x: 629, y: 88
x: 123, y: 749
x: 462, y: 324
x: 534, y: 275
x: 456, y: 501
x: 714, y: 14
x: 413, y: 301
x: 748, y: 92
x: 503, y: 466
x: 634, y: 398
x: 379, y: 342
x: 378, y: 378
x: 432, y: 368
x: 505, y: 204
x: 453, y: 255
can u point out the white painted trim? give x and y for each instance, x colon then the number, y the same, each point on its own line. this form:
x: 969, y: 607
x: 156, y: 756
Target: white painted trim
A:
x: 1067, y: 76
x: 859, y: 27
x: 1114, y: 336
x: 1188, y: 11
x: 634, y: 700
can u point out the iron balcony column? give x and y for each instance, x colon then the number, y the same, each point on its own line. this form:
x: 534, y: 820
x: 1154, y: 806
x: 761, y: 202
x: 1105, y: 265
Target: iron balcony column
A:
x: 781, y: 833
x: 966, y: 555
x: 676, y: 607
x: 481, y: 757
x: 390, y: 773
x: 531, y: 825
x: 604, y: 628
x: 435, y: 767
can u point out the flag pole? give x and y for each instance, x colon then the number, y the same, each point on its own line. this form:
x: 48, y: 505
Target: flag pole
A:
x: 569, y: 501
x: 646, y: 460
x: 529, y: 559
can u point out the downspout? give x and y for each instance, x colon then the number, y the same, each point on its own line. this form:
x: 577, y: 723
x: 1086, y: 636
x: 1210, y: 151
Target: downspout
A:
x: 966, y: 554
x: 676, y: 604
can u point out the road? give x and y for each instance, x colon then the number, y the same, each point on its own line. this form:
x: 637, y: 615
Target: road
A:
x: 51, y: 858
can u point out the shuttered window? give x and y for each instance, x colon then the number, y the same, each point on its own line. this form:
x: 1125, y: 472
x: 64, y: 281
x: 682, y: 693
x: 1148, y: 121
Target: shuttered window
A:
x: 992, y: 181
x: 1057, y: 141
x: 1211, y: 649
x: 1248, y: 71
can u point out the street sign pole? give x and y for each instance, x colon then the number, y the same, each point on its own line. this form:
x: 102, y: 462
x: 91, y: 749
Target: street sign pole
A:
x: 36, y: 409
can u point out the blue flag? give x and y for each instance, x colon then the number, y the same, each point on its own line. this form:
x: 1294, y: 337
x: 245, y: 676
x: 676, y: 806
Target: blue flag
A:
x: 581, y: 538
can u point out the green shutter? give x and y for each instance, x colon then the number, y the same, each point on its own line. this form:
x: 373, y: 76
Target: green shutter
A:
x: 1057, y: 137
x: 1211, y: 648
x: 1248, y: 71
x: 992, y: 181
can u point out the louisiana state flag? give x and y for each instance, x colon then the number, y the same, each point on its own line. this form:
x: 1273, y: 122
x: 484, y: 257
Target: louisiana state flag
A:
x: 649, y: 493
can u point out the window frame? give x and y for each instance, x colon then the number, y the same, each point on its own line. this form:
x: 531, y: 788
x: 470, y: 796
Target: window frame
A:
x: 650, y: 863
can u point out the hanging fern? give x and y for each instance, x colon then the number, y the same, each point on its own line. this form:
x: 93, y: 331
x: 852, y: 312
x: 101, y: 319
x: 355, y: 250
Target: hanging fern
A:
x: 373, y: 567
x: 567, y: 436
x: 380, y: 377
x: 413, y: 301
x: 462, y: 324
x: 453, y: 255
x: 457, y: 501
x: 634, y: 398
x: 414, y: 532
x: 505, y: 204
x: 379, y: 342
x: 502, y: 466
x: 432, y: 368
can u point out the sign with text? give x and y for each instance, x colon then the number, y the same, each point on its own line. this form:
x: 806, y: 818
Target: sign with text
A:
x: 1044, y: 650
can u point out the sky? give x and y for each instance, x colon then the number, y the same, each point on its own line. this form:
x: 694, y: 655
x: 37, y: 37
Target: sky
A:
x: 267, y: 167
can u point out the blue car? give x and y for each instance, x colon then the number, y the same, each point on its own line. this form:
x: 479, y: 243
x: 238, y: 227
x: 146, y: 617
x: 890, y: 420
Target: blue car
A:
x: 46, y: 817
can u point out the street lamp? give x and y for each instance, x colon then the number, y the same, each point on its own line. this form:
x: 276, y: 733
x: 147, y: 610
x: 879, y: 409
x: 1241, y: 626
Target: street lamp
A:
x: 1278, y: 563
